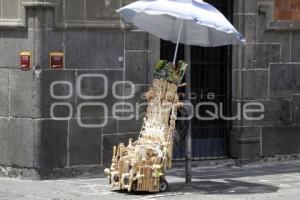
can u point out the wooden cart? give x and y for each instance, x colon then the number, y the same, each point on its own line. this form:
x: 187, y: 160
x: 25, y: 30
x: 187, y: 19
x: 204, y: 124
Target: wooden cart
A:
x: 141, y: 165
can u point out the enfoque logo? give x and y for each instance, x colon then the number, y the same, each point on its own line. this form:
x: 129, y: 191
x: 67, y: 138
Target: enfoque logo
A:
x: 122, y: 110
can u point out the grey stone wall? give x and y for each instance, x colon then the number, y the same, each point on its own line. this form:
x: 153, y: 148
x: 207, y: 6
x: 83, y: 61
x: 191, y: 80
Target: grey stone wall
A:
x: 90, y: 35
x: 69, y: 13
x: 96, y: 41
x: 266, y: 70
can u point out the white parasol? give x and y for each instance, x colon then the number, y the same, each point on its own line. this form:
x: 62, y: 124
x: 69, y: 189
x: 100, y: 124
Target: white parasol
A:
x: 191, y: 22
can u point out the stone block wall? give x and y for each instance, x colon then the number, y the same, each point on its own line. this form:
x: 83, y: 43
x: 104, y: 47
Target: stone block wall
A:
x: 95, y: 42
x: 266, y: 70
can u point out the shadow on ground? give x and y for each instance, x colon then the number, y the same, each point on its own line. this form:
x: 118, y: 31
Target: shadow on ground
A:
x: 230, y: 172
x: 226, y: 179
x: 226, y: 186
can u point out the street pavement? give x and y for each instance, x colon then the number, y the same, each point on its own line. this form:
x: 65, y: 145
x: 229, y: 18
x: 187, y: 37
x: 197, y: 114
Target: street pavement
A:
x: 274, y: 181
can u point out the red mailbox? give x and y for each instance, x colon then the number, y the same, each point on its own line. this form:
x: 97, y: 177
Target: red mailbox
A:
x: 56, y: 60
x: 25, y: 60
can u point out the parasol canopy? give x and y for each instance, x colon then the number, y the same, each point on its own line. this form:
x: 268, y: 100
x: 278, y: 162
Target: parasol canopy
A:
x: 191, y: 22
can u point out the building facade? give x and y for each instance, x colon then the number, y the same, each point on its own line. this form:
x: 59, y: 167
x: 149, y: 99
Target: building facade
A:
x: 49, y: 117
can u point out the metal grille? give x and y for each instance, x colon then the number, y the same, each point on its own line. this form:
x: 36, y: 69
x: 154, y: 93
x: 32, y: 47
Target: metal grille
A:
x: 210, y: 73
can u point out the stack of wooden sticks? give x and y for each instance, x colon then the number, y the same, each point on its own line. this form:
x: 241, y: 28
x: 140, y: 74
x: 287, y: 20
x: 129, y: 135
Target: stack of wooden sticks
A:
x: 141, y: 165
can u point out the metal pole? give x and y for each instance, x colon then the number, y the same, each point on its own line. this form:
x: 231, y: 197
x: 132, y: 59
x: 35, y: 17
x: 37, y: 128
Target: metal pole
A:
x: 188, y: 145
x: 178, y: 40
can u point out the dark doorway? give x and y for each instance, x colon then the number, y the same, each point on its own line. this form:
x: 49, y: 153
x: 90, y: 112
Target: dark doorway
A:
x: 210, y: 80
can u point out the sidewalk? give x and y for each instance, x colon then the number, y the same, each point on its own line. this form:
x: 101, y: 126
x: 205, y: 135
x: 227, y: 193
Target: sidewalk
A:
x: 254, y: 181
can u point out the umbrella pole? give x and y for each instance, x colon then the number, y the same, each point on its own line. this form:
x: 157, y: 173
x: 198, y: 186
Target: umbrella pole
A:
x: 178, y: 40
x: 188, y: 137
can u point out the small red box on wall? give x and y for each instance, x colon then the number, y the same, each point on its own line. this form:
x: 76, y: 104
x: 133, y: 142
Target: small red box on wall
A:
x: 25, y: 60
x: 56, y: 60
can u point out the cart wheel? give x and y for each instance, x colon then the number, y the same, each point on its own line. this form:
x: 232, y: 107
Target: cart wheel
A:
x: 134, y: 186
x: 163, y: 186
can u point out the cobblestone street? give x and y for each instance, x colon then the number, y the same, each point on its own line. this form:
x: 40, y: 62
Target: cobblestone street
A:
x: 253, y: 181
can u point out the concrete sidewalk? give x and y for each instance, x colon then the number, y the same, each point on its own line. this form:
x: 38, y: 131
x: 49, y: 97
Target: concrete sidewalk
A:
x: 254, y: 181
